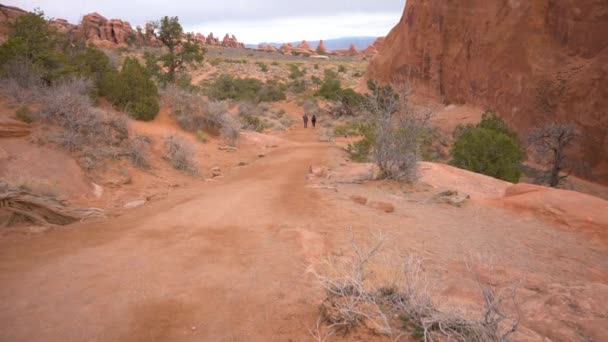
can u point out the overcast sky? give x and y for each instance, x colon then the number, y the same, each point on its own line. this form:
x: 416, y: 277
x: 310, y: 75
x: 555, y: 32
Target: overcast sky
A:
x: 252, y: 21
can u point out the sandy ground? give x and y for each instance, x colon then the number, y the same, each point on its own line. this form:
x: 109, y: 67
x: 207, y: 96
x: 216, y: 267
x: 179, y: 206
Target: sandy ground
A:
x: 227, y: 260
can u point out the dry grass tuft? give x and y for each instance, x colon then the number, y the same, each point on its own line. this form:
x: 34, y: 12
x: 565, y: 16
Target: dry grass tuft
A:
x: 403, y: 306
x: 180, y: 155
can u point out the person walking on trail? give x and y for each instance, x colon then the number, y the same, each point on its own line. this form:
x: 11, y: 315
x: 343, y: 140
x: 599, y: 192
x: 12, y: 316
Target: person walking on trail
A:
x: 305, y: 118
x: 314, y: 121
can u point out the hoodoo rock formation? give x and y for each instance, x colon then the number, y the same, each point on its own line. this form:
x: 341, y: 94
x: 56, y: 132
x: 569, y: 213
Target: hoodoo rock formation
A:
x: 531, y: 61
x: 321, y: 49
x: 96, y: 30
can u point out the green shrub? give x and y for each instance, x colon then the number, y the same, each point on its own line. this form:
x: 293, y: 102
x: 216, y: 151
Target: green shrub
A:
x: 271, y: 91
x: 298, y: 86
x: 31, y: 38
x: 133, y: 90
x: 361, y: 150
x: 215, y: 61
x: 295, y: 72
x: 256, y: 124
x: 330, y: 89
x: 246, y: 89
x: 348, y: 129
x: 24, y: 114
x: 263, y: 66
x: 488, y: 152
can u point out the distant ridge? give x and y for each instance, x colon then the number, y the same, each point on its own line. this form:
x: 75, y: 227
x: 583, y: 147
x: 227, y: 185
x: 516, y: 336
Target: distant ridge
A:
x: 331, y: 44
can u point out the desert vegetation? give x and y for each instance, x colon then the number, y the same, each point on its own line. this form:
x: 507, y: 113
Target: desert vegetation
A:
x: 180, y: 155
x: 488, y: 148
x: 401, y: 303
x: 550, y: 145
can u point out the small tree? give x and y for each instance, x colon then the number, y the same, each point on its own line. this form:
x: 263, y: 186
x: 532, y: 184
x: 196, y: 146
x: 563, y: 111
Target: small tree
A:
x: 550, y: 144
x: 489, y: 148
x: 31, y: 38
x: 398, y: 131
x: 488, y: 152
x: 133, y: 90
x: 183, y: 50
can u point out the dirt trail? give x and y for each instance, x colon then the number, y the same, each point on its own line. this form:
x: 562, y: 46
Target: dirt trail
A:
x: 217, y: 261
x: 227, y: 260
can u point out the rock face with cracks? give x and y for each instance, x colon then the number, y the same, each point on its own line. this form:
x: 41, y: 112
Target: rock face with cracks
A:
x: 531, y: 61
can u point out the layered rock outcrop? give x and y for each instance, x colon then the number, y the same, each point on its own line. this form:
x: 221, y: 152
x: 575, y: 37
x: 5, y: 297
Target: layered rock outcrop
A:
x: 531, y: 61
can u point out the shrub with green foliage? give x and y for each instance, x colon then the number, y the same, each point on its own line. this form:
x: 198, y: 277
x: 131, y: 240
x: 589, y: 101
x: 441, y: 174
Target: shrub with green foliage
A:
x: 295, y: 72
x: 133, y: 90
x: 183, y: 49
x: 489, y: 148
x: 32, y: 39
x: 263, y: 66
x: 246, y: 89
x: 24, y: 114
x: 361, y: 150
x: 330, y: 89
x: 298, y: 86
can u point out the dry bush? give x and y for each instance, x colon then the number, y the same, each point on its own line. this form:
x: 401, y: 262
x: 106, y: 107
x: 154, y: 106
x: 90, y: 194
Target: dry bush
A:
x: 22, y: 80
x: 550, y: 144
x: 231, y: 129
x: 194, y: 114
x: 398, y: 132
x: 180, y: 155
x: 260, y: 117
x: 403, y: 305
x: 96, y: 134
x: 138, y: 152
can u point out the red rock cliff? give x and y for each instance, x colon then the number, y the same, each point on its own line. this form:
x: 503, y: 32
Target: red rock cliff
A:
x: 529, y: 60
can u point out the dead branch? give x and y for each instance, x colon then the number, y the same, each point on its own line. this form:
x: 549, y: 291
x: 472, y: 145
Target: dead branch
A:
x: 41, y: 209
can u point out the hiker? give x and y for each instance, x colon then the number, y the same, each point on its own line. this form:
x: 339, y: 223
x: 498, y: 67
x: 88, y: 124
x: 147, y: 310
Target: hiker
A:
x: 305, y: 118
x: 314, y: 121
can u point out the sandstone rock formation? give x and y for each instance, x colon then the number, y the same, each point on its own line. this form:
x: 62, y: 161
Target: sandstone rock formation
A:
x: 531, y: 61
x: 352, y: 51
x: 321, y: 49
x: 374, y: 48
x: 97, y: 30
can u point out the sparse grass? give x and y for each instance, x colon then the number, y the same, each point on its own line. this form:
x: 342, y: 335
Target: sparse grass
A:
x: 180, y: 155
x: 24, y: 114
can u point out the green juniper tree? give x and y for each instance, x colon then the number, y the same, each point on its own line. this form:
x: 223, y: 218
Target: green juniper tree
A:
x: 183, y: 49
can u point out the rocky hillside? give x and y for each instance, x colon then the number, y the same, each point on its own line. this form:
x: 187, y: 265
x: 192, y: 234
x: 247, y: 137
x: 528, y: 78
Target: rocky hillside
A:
x: 97, y: 30
x: 532, y: 61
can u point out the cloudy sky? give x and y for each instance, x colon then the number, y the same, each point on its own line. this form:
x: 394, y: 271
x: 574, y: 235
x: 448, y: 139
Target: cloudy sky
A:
x: 252, y: 21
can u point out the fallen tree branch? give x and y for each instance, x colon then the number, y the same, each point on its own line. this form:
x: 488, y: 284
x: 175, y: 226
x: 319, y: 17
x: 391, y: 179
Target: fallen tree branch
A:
x: 41, y: 209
